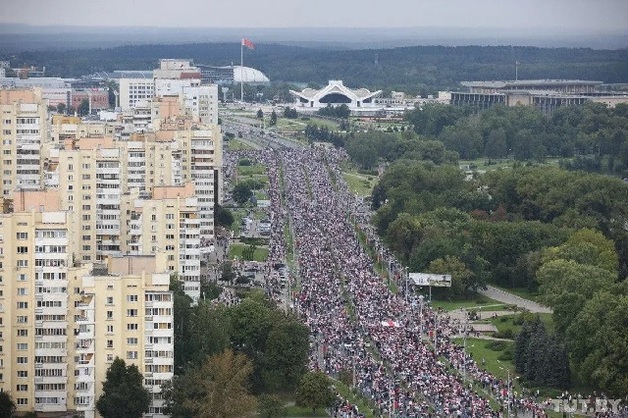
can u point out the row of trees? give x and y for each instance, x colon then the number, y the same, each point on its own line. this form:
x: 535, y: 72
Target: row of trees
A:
x: 592, y: 130
x: 317, y: 133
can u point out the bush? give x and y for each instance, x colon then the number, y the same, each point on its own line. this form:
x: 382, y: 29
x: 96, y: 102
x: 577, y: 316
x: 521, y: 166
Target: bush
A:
x: 506, y: 334
x: 496, y: 345
x: 507, y: 355
x: 245, y: 162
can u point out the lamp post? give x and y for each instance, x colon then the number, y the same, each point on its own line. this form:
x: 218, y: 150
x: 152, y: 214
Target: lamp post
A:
x: 421, y: 317
x: 507, y: 386
x: 407, y: 279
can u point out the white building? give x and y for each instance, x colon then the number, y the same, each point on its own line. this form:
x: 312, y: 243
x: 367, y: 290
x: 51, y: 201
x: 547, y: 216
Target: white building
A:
x: 335, y: 93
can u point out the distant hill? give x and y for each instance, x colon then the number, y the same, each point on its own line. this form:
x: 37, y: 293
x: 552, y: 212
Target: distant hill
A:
x: 417, y: 69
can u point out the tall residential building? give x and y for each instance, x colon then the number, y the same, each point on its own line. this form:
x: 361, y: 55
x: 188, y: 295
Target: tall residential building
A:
x: 36, y: 325
x: 168, y: 222
x: 201, y: 162
x: 23, y: 117
x: 62, y: 325
x: 125, y: 311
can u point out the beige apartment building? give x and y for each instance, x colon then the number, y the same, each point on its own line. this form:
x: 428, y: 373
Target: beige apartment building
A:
x: 24, y: 121
x: 61, y: 324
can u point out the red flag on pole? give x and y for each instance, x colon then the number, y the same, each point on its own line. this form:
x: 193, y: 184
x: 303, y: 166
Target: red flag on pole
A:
x: 247, y: 43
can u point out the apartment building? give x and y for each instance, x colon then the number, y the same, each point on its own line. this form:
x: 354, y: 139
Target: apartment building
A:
x: 62, y: 324
x: 23, y: 117
x: 35, y: 262
x: 167, y: 222
x: 124, y: 310
x: 201, y: 163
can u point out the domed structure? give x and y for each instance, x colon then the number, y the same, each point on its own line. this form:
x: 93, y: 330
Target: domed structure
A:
x: 249, y: 75
x: 231, y: 74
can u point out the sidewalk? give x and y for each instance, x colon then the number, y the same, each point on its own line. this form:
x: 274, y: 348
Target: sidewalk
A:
x: 512, y: 299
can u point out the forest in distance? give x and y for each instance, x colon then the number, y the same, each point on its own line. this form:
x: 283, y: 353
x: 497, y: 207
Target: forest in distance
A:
x: 416, y: 70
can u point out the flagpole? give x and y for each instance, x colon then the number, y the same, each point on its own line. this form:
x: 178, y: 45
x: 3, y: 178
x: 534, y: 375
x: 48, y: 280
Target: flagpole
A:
x: 242, y: 71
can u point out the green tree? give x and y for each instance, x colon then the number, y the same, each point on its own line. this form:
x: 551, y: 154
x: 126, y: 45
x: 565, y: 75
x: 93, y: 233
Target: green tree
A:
x: 209, y: 331
x: 223, y: 216
x: 273, y: 118
x: 227, y: 274
x: 597, y: 340
x: 270, y: 406
x: 216, y: 389
x: 260, y: 114
x: 315, y: 391
x: 61, y: 107
x: 462, y: 279
x: 285, y: 355
x: 123, y: 392
x: 182, y: 311
x: 7, y: 406
x: 83, y: 108
x: 242, y: 192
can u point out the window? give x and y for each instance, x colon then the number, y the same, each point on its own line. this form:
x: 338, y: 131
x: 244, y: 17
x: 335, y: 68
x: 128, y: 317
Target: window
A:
x: 131, y: 355
x: 22, y: 388
x: 22, y: 360
x: 131, y: 312
x: 21, y: 235
x: 22, y: 374
x: 22, y: 319
x: 22, y: 277
x: 109, y: 343
x: 22, y: 291
x: 22, y: 305
x: 109, y: 300
x: 131, y: 327
x: 22, y: 346
x: 22, y: 250
x: 109, y: 314
x: 131, y: 341
x: 131, y: 298
x: 109, y: 329
x: 22, y: 401
x: 22, y: 333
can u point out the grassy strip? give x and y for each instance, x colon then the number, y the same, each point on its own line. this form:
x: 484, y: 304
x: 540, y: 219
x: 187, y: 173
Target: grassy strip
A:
x: 237, y: 145
x: 364, y: 406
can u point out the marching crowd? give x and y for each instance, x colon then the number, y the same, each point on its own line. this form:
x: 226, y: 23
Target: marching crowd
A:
x: 402, y: 360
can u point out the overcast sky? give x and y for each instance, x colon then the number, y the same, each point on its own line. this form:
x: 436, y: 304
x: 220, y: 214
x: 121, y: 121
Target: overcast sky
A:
x: 570, y: 15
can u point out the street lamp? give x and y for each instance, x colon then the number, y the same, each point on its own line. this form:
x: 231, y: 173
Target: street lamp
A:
x: 508, y: 391
x: 421, y: 317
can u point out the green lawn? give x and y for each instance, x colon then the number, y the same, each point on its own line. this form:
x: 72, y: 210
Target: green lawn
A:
x: 260, y: 254
x: 360, y: 184
x: 362, y: 404
x: 251, y: 170
x: 237, y: 145
x: 481, y: 349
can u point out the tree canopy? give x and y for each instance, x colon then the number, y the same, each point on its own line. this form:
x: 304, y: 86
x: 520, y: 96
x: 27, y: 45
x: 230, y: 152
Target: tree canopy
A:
x: 123, y: 393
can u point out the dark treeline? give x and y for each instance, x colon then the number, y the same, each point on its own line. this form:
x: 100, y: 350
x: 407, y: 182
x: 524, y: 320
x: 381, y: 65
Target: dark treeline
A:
x: 592, y: 130
x: 590, y: 137
x: 417, y: 70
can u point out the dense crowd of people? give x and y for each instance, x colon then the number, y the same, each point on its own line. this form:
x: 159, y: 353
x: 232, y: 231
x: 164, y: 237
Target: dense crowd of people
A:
x: 402, y: 359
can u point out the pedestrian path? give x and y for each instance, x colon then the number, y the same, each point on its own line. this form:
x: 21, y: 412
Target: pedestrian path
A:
x: 512, y: 299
